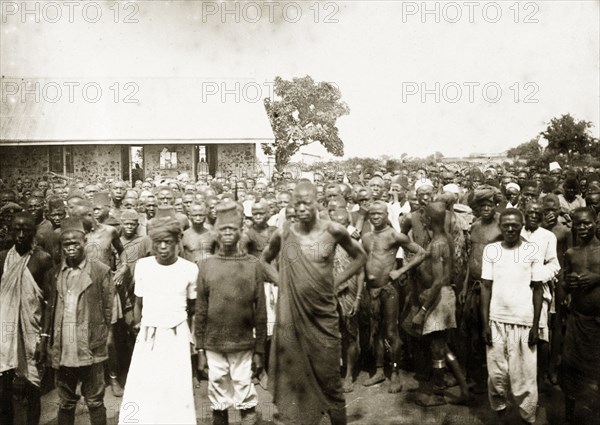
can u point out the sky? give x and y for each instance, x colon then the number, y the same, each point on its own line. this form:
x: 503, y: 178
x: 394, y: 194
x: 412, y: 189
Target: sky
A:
x: 418, y: 77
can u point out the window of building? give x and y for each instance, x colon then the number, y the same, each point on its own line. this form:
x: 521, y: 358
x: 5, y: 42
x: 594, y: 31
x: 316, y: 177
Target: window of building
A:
x: 168, y: 159
x: 60, y: 160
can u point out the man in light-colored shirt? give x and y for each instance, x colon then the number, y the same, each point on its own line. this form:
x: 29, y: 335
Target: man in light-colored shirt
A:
x: 511, y: 303
x: 545, y: 244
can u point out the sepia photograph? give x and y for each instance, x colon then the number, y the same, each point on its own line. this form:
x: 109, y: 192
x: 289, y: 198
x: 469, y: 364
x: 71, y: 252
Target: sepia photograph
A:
x: 299, y: 212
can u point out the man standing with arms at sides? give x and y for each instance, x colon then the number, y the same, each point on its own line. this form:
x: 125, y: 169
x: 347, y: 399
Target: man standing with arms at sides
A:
x: 150, y: 208
x: 558, y: 308
x: 580, y: 367
x: 254, y: 241
x: 485, y: 230
x: 134, y: 248
x: 511, y: 304
x: 349, y: 294
x: 159, y: 386
x: 77, y: 318
x: 231, y: 321
x: 304, y: 368
x: 117, y: 194
x: 99, y: 244
x: 545, y: 243
x: 198, y: 242
x: 22, y: 300
x: 381, y: 245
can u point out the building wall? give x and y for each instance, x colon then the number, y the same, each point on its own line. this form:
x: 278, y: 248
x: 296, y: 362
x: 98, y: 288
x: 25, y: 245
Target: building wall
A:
x: 89, y: 162
x: 92, y: 162
x: 236, y: 158
x: 21, y: 161
x: 152, y: 160
x: 96, y: 162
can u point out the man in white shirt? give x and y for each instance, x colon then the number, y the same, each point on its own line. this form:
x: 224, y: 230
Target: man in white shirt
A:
x: 511, y: 304
x: 545, y: 250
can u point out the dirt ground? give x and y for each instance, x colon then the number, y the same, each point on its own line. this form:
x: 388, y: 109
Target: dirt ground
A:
x: 365, y: 406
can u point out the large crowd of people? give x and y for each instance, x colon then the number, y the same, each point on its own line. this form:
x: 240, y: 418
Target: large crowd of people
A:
x: 488, y: 279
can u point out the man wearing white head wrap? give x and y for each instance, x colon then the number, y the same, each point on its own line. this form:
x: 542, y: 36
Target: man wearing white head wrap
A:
x: 452, y: 188
x: 423, y: 184
x: 513, y: 195
x: 165, y: 289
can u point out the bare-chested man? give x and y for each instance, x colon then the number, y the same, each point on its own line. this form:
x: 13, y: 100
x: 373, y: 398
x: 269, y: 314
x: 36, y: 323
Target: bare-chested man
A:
x: 117, y: 194
x: 485, y: 230
x: 304, y: 369
x: 437, y: 312
x: 47, y: 234
x: 558, y: 311
x: 381, y: 246
x: 198, y: 242
x: 35, y: 206
x: 580, y: 368
x: 22, y: 297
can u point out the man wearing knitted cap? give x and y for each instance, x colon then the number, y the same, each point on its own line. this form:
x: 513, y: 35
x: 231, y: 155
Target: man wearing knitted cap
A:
x: 159, y: 383
x: 80, y: 306
x: 231, y: 321
x: 100, y: 242
x: 304, y: 374
x: 134, y: 248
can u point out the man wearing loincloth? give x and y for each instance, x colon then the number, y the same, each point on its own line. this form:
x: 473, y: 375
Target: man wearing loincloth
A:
x: 381, y: 245
x: 437, y: 312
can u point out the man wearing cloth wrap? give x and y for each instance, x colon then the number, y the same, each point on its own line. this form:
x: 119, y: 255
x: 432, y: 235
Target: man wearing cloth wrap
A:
x: 304, y: 369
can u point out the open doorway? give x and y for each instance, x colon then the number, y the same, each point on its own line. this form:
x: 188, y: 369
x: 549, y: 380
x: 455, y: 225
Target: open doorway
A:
x: 137, y: 163
x: 205, y: 159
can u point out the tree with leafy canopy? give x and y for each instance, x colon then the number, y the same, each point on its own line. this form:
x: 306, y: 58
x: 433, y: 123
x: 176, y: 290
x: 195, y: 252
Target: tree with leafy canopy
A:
x: 569, y: 136
x: 304, y: 112
x: 525, y: 150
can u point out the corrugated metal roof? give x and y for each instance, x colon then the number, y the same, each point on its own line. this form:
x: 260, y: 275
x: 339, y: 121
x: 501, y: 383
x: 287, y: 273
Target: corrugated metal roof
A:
x: 47, y: 110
